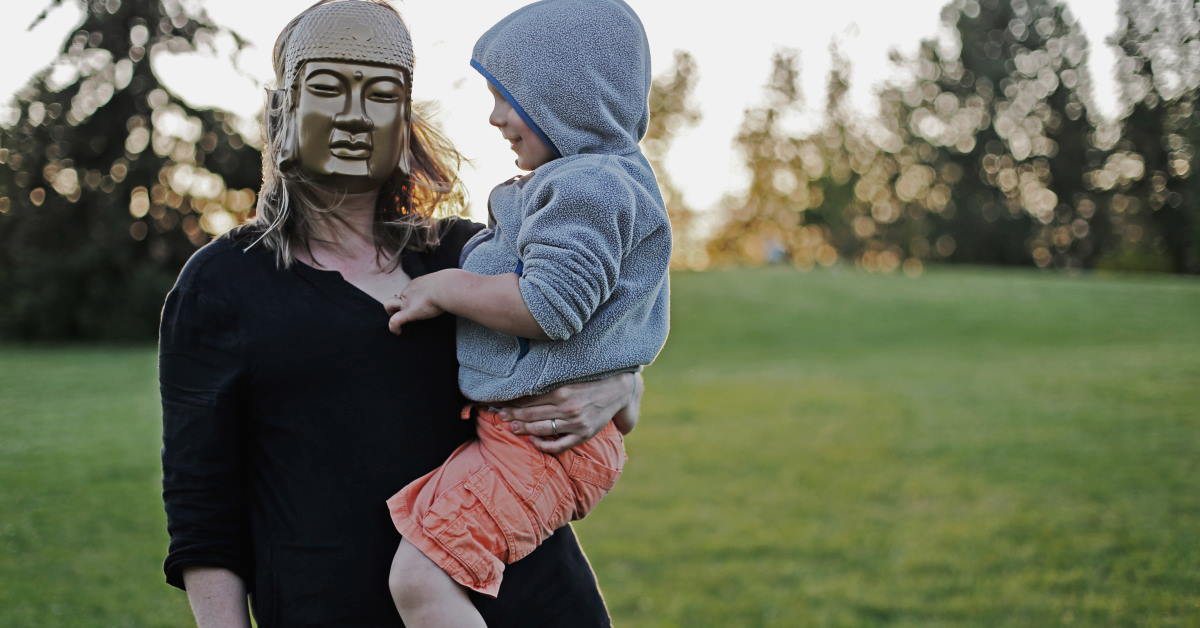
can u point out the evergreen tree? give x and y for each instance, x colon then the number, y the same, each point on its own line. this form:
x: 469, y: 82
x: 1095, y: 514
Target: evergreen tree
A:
x: 999, y: 120
x: 1156, y: 198
x: 859, y: 208
x: 108, y: 181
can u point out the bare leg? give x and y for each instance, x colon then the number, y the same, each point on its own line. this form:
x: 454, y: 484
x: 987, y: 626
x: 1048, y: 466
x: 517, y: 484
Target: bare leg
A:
x: 425, y: 596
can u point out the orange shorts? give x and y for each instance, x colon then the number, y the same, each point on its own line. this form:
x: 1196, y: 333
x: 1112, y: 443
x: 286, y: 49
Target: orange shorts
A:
x: 497, y: 497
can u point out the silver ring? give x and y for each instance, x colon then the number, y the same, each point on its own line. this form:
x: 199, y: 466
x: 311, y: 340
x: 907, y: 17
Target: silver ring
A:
x: 554, y: 426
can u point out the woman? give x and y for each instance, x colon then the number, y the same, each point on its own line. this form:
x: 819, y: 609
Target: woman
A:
x: 290, y: 413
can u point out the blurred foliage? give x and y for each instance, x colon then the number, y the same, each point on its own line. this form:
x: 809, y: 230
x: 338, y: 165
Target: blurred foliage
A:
x: 108, y: 181
x: 762, y: 224
x: 1001, y: 127
x: 986, y: 151
x: 1156, y: 197
x: 671, y: 109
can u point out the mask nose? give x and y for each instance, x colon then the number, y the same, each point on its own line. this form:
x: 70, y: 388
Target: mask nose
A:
x: 353, y: 122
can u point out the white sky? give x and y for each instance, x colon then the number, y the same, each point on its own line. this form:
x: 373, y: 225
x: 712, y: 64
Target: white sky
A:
x: 732, y: 47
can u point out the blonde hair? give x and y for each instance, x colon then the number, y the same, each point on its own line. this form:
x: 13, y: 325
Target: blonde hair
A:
x: 424, y: 183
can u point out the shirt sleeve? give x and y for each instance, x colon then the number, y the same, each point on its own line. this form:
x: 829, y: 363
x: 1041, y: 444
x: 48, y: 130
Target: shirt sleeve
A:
x: 571, y: 246
x: 201, y: 367
x: 454, y: 233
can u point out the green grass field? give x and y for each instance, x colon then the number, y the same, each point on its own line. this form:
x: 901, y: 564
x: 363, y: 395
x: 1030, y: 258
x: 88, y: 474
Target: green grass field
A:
x: 970, y: 448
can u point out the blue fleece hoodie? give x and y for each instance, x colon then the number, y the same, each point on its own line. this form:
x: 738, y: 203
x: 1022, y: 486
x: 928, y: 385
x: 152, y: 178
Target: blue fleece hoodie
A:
x: 587, y: 232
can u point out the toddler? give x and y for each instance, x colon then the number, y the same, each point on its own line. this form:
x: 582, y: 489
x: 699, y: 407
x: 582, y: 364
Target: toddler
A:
x: 567, y: 284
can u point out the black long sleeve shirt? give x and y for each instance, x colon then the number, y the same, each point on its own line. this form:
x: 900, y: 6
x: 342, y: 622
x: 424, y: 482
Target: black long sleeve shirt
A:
x: 290, y: 414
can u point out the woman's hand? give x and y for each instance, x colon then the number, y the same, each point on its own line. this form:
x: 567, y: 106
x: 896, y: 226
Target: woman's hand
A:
x: 627, y: 417
x: 569, y: 415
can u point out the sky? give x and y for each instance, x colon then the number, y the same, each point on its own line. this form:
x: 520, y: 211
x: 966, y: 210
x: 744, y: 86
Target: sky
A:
x: 732, y: 48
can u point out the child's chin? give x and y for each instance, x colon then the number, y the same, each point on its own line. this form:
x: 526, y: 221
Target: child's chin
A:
x: 530, y: 164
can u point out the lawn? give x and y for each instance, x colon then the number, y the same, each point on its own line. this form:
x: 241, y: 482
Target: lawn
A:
x: 972, y: 447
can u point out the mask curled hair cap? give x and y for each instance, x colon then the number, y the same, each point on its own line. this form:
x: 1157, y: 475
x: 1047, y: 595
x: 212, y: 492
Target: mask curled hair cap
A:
x: 349, y: 30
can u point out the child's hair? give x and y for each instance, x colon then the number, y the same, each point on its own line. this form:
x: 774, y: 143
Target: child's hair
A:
x: 424, y: 183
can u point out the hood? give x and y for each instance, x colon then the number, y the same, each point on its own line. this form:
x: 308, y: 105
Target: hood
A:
x: 577, y: 72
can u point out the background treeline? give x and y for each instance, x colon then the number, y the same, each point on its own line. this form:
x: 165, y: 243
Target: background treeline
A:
x: 987, y: 150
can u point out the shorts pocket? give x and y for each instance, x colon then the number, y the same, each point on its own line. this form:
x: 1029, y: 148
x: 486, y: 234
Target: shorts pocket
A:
x: 447, y: 507
x: 597, y: 474
x: 513, y: 457
x: 462, y: 526
x: 510, y: 513
x: 599, y: 460
x: 592, y: 480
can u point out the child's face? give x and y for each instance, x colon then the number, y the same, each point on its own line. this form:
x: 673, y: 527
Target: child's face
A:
x: 530, y: 149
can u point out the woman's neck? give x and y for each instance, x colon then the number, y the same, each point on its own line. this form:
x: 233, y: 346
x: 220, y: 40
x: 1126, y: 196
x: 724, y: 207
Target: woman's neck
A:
x: 346, y: 229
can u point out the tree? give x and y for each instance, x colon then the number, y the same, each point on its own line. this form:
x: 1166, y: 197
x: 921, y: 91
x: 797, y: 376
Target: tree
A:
x: 858, y: 204
x: 986, y: 155
x: 832, y: 159
x: 671, y: 109
x: 763, y: 223
x: 996, y: 137
x: 1156, y: 198
x: 108, y: 181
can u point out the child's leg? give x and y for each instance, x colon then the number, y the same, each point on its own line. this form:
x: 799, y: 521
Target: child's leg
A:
x: 425, y: 595
x: 440, y: 516
x: 492, y: 502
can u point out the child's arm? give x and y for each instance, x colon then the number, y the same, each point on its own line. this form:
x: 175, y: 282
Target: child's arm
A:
x: 493, y: 301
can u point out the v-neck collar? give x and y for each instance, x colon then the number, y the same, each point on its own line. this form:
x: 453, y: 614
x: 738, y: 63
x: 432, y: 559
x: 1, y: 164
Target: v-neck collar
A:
x: 336, y: 283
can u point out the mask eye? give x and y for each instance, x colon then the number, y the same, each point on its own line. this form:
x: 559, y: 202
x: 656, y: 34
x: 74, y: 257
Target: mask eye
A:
x: 385, y: 91
x: 323, y: 88
x: 384, y: 96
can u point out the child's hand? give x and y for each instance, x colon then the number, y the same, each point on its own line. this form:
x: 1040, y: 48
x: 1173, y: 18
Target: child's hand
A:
x: 418, y: 301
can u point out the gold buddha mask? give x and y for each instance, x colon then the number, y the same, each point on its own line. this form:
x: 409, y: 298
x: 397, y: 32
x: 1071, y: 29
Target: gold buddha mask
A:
x: 343, y: 107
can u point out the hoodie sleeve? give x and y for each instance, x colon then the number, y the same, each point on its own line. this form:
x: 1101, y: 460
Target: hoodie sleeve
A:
x: 571, y: 243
